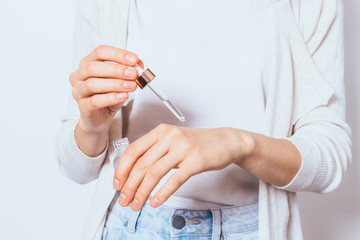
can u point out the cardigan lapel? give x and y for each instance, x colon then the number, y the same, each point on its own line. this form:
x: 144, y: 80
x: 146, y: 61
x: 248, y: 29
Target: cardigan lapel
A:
x: 274, y: 209
x: 310, y: 88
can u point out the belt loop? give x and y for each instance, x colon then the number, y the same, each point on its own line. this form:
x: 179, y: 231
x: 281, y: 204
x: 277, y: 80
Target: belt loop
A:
x: 216, y: 227
x: 132, y: 221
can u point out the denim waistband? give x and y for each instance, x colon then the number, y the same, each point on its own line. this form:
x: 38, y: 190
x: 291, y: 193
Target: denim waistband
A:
x: 214, y: 222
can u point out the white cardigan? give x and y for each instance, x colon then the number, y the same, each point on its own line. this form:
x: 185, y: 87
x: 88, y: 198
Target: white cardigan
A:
x: 305, y: 104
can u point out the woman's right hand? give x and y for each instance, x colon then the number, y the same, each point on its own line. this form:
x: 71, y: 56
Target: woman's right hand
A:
x: 100, y: 86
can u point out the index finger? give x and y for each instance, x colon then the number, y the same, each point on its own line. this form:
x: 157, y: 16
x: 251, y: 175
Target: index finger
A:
x: 132, y: 153
x: 113, y: 54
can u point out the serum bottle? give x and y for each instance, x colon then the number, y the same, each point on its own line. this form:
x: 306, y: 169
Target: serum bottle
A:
x: 144, y: 79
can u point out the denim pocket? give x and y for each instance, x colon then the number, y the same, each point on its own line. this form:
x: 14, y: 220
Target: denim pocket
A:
x: 247, y: 235
x: 115, y: 233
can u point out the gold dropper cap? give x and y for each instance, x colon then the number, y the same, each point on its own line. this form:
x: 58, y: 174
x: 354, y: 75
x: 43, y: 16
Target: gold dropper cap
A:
x: 145, y: 76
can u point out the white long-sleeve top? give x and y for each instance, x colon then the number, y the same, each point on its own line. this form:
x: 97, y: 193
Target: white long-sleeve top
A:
x: 305, y: 104
x: 215, y: 73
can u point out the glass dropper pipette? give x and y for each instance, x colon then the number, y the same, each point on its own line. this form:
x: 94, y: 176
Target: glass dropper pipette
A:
x: 144, y: 79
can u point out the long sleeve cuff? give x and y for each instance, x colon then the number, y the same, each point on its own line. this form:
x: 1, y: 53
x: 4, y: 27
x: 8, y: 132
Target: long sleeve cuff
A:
x: 75, y: 163
x: 308, y: 169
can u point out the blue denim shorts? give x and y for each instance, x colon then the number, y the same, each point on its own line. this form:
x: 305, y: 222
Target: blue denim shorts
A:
x: 164, y: 223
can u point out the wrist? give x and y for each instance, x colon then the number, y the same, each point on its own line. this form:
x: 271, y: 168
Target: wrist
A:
x: 246, y: 147
x: 88, y: 129
x: 91, y: 143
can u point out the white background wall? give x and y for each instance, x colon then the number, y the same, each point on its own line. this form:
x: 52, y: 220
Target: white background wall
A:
x: 36, y: 202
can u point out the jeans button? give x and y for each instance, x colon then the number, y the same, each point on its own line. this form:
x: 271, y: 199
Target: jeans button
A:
x: 178, y: 222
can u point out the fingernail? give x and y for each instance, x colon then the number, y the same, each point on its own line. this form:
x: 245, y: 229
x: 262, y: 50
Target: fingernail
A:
x: 121, y: 95
x: 130, y: 58
x: 130, y: 72
x: 122, y: 198
x: 135, y: 204
x: 154, y: 202
x: 117, y: 184
x: 129, y: 85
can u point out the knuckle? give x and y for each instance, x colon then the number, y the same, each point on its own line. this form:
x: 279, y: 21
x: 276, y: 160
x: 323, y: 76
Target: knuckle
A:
x: 112, y: 98
x: 72, y: 78
x: 154, y: 172
x: 117, y: 85
x: 93, y: 102
x: 201, y: 163
x: 175, y: 132
x: 83, y: 62
x: 126, y: 190
x: 90, y: 68
x: 176, y: 181
x: 120, y: 53
x: 163, y: 127
x: 125, y: 98
x: 74, y: 93
x: 88, y: 86
x: 99, y: 50
x: 140, y: 196
x: 141, y: 165
x: 130, y: 150
x: 119, y: 70
x: 119, y: 174
x: 129, y: 190
x: 185, y: 146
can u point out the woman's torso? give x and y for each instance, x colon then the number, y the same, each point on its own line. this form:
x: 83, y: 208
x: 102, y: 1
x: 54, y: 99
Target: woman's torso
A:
x: 212, y: 59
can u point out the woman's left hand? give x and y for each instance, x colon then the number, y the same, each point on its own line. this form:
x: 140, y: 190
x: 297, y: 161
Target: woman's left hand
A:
x: 192, y: 151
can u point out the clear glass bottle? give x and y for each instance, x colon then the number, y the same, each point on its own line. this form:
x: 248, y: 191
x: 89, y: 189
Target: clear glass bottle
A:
x: 120, y: 146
